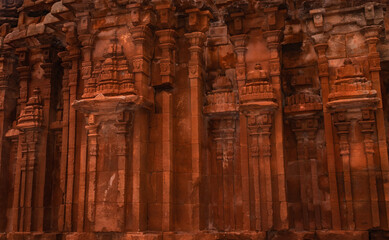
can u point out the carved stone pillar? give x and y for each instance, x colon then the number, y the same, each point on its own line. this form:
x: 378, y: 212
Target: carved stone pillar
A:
x: 265, y: 126
x: 70, y: 82
x: 8, y: 96
x: 196, y: 41
x: 273, y: 39
x: 321, y: 47
x: 24, y: 75
x: 253, y: 142
x: 367, y: 124
x: 48, y: 65
x: 123, y: 125
x: 313, y: 166
x: 29, y: 124
x: 240, y: 42
x: 305, y: 129
x: 350, y: 93
x: 92, y: 128
x: 66, y: 64
x: 167, y: 43
x: 222, y: 110
x: 259, y: 130
x: 223, y: 136
x: 141, y: 35
x: 257, y: 102
x: 343, y: 128
x: 371, y: 34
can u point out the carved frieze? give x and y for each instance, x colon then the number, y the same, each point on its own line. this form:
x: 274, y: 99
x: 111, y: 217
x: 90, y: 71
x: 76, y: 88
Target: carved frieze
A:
x: 351, y: 87
x: 32, y: 115
x: 222, y: 99
x: 257, y: 92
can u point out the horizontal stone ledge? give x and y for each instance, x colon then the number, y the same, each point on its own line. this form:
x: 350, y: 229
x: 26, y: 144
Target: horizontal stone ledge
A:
x: 204, y: 235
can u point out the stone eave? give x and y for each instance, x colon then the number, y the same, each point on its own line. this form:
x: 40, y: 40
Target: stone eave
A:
x: 104, y: 105
x: 18, y: 37
x: 353, y: 103
x: 259, y: 105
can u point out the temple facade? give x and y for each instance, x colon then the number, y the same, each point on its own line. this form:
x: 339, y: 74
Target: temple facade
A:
x: 194, y: 120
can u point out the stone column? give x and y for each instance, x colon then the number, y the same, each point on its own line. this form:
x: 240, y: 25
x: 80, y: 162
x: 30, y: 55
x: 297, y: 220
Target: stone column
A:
x: 30, y: 125
x: 66, y: 64
x: 304, y: 188
x: 305, y: 130
x: 74, y: 55
x: 343, y: 128
x: 313, y: 166
x: 371, y: 34
x: 367, y: 124
x: 86, y: 42
x: 260, y: 124
x: 70, y: 81
x: 240, y: 42
x: 49, y: 58
x: 92, y: 128
x: 8, y: 96
x: 196, y: 40
x: 24, y: 76
x: 137, y: 220
x: 123, y: 125
x: 273, y: 39
x: 198, y: 23
x: 223, y: 136
x: 253, y: 142
x: 321, y: 48
x: 167, y: 158
x: 167, y: 42
x: 265, y: 126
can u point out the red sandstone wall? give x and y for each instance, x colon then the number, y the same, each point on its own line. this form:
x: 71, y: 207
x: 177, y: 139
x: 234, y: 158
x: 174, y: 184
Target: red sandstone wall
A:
x: 194, y: 119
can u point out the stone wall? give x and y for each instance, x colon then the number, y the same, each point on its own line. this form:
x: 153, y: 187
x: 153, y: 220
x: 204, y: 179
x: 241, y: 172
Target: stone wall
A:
x: 194, y: 119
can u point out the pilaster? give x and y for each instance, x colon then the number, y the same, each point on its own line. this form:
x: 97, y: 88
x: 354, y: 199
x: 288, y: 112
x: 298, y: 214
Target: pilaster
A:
x: 196, y: 41
x: 48, y: 64
x: 167, y: 43
x: 343, y: 128
x: 8, y: 102
x: 321, y: 47
x: 141, y: 35
x: 29, y: 124
x: 273, y: 39
x: 240, y: 48
x: 222, y: 110
x: 70, y: 95
x: 371, y: 34
x: 197, y: 24
x: 367, y: 124
x: 258, y: 103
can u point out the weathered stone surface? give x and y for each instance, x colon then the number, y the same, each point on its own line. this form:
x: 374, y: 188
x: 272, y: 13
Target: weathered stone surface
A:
x: 188, y: 120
